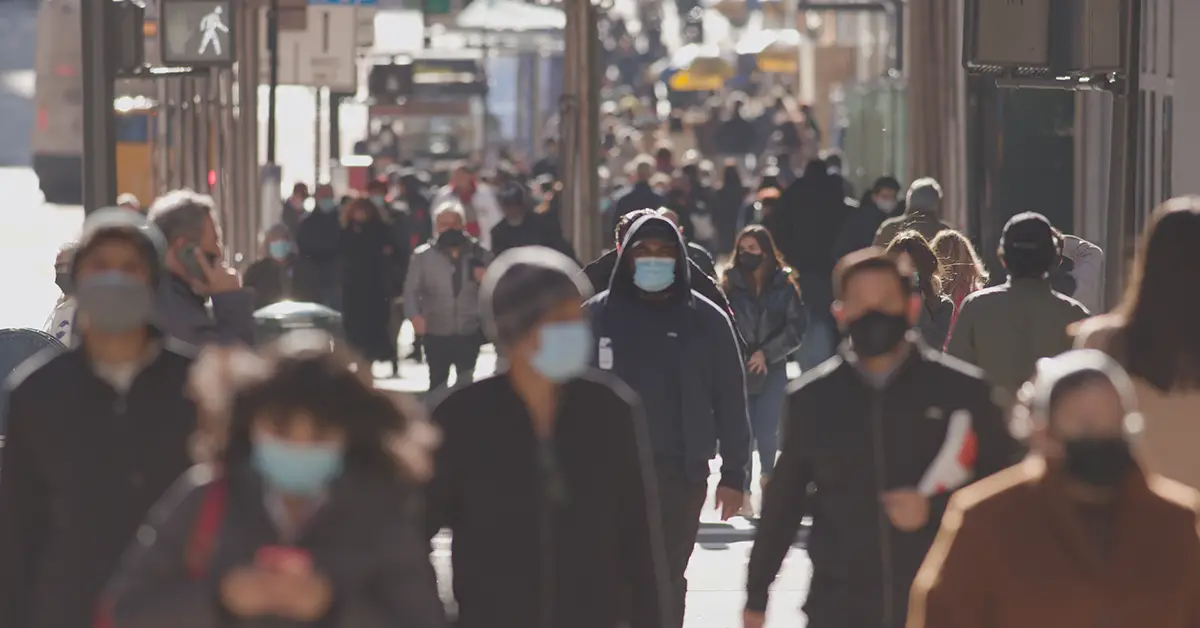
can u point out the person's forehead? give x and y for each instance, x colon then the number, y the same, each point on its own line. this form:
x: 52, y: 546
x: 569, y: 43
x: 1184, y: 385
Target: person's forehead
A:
x: 653, y: 242
x: 872, y: 283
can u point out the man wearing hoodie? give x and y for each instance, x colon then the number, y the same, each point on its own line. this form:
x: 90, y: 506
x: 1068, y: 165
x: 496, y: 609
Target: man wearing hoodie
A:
x: 923, y: 209
x: 678, y: 351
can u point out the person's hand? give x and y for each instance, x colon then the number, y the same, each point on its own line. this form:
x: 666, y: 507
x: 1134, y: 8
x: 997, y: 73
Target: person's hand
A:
x: 908, y: 510
x: 728, y: 501
x: 218, y: 278
x: 247, y: 592
x: 478, y: 272
x: 753, y: 619
x: 757, y: 362
x: 418, y: 323
x: 302, y: 597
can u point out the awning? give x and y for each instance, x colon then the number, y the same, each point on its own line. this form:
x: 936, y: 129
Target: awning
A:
x: 509, y: 16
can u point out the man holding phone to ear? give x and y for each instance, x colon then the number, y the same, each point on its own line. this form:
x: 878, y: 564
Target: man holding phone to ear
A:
x: 198, y: 274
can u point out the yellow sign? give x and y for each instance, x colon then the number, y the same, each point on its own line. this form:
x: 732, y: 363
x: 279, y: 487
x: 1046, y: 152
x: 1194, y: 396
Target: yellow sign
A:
x: 689, y: 82
x: 778, y: 65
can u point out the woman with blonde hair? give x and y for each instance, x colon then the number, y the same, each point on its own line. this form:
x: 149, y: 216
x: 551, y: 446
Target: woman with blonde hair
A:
x: 937, y: 311
x: 962, y: 270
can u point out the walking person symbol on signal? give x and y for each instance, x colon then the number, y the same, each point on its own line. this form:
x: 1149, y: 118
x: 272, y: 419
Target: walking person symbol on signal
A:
x: 211, y: 24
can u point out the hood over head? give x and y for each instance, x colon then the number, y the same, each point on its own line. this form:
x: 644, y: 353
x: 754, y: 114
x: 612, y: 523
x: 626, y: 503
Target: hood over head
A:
x: 651, y: 227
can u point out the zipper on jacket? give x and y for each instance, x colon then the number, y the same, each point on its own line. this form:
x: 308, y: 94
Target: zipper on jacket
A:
x: 885, y: 526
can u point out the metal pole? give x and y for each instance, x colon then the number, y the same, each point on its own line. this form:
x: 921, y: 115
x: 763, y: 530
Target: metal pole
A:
x: 99, y: 122
x: 1123, y: 160
x: 335, y: 127
x: 273, y: 51
x: 317, y: 136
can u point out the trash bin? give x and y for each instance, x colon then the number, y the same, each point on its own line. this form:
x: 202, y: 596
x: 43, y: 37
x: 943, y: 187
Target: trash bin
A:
x: 277, y: 319
x: 17, y: 346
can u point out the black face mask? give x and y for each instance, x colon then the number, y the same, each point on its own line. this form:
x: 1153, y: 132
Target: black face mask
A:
x: 452, y: 238
x: 64, y: 283
x: 875, y: 333
x: 1099, y: 462
x: 748, y: 261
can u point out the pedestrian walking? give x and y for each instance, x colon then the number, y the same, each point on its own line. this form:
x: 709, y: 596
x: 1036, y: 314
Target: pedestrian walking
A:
x: 441, y: 298
x: 677, y: 350
x: 884, y: 432
x: 523, y: 227
x: 95, y: 434
x: 279, y: 275
x: 922, y: 213
x: 873, y: 209
x: 963, y: 272
x: 639, y: 194
x: 318, y: 241
x: 304, y: 511
x: 771, y: 317
x: 1006, y: 329
x: 937, y: 310
x: 544, y: 475
x: 367, y: 246
x: 198, y: 274
x: 477, y: 199
x: 61, y: 322
x: 1078, y: 534
x: 1154, y: 334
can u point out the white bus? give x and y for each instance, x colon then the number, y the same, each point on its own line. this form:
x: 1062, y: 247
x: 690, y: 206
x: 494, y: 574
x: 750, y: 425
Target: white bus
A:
x: 58, y: 98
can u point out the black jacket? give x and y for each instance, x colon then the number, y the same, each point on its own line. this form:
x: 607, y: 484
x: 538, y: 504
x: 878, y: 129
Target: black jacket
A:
x: 366, y: 539
x: 773, y: 321
x: 495, y: 484
x: 82, y: 465
x: 600, y: 271
x: 533, y: 230
x: 635, y: 197
x: 853, y: 442
x: 711, y: 380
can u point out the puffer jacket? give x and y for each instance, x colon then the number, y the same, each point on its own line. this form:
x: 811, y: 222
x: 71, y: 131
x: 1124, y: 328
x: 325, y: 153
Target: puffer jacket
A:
x: 772, y: 322
x: 443, y: 290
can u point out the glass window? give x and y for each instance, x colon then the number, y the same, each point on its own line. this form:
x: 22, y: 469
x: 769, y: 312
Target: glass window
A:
x: 1168, y: 145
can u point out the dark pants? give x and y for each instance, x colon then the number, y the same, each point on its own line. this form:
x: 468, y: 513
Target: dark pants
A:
x: 443, y: 351
x: 680, y: 500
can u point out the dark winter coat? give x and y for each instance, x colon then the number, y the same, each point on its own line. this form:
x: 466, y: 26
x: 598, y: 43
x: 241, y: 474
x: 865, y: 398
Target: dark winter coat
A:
x: 366, y: 295
x: 273, y: 281
x: 580, y: 503
x: 772, y: 322
x: 710, y: 381
x: 635, y: 197
x: 854, y: 442
x: 533, y: 230
x: 82, y: 465
x: 366, y: 539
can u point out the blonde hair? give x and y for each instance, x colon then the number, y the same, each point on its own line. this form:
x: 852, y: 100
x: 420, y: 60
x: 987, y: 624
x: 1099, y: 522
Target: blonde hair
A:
x: 962, y: 269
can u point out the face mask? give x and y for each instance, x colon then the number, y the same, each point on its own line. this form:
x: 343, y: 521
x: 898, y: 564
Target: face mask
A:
x: 379, y: 201
x: 326, y: 204
x: 280, y: 249
x: 1100, y: 462
x: 114, y: 302
x: 64, y: 283
x: 875, y: 333
x: 564, y: 351
x: 653, y: 274
x: 887, y: 204
x: 748, y: 261
x: 452, y: 237
x: 300, y: 470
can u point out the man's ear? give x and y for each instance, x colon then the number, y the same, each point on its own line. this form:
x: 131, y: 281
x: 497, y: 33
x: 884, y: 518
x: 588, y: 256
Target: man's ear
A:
x: 839, y: 312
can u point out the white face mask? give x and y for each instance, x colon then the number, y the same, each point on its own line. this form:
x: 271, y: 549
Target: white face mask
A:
x: 887, y: 204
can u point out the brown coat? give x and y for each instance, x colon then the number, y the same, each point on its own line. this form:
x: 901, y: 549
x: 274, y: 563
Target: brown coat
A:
x: 1012, y: 553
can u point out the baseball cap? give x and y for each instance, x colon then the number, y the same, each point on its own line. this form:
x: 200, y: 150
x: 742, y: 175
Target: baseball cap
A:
x: 1029, y: 231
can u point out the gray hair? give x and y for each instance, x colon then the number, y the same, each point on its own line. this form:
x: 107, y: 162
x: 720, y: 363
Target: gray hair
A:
x: 450, y: 206
x: 522, y: 286
x: 924, y: 195
x: 181, y: 214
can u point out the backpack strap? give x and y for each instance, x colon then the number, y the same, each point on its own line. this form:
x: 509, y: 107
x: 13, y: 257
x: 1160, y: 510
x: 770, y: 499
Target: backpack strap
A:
x: 203, y: 539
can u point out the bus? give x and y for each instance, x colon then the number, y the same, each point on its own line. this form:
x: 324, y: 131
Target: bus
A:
x: 57, y: 136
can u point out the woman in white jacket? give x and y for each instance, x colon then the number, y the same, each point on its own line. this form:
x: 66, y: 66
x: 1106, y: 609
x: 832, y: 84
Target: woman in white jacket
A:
x: 61, y: 322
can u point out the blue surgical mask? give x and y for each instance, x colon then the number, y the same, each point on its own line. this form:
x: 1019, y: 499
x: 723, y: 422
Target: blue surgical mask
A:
x: 326, y: 204
x: 280, y: 249
x: 379, y: 201
x: 114, y: 302
x: 295, y: 469
x: 564, y: 350
x: 653, y: 274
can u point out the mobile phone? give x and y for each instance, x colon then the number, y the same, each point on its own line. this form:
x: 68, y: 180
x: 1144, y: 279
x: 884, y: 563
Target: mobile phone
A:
x: 187, y: 259
x: 283, y: 559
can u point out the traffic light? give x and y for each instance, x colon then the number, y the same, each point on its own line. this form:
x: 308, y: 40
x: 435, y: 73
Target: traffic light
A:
x: 436, y: 7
